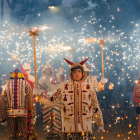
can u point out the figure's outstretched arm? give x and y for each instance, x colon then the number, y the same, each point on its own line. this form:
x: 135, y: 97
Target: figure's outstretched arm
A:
x: 47, y: 100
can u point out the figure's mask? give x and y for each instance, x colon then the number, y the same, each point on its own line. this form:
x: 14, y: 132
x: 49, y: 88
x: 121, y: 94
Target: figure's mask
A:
x: 48, y: 71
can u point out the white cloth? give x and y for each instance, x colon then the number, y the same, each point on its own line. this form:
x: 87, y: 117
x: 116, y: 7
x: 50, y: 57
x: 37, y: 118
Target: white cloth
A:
x: 37, y: 90
x: 33, y: 121
x: 100, y: 129
x: 5, y: 123
x: 60, y: 70
x: 103, y: 80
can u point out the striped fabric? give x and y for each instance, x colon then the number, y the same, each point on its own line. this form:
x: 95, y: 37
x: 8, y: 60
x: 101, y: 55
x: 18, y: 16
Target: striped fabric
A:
x: 52, y: 120
x: 16, y: 93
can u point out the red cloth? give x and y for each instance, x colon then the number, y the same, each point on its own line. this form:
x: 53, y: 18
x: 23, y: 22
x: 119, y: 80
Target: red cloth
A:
x: 54, y: 81
x: 29, y: 110
x: 136, y: 99
x: 26, y: 77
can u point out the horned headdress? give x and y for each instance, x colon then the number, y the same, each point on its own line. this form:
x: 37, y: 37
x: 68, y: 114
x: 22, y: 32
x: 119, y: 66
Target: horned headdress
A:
x: 76, y: 64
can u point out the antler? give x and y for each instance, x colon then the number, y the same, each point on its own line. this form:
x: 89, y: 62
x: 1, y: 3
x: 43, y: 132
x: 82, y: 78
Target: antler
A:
x: 69, y: 62
x: 29, y: 62
x: 84, y: 61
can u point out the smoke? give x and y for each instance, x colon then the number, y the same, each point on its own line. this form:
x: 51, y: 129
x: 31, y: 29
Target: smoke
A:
x: 90, y: 6
x: 68, y: 3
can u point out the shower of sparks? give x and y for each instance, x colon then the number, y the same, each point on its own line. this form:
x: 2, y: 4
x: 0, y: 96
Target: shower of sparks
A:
x: 121, y: 53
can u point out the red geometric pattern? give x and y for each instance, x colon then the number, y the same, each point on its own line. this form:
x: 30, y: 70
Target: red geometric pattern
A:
x: 66, y: 86
x: 74, y: 106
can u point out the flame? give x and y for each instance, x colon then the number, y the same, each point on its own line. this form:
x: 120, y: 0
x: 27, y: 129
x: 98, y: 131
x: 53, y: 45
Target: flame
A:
x: 43, y: 28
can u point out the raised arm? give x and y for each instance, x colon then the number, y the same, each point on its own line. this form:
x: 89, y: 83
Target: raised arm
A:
x: 98, y: 85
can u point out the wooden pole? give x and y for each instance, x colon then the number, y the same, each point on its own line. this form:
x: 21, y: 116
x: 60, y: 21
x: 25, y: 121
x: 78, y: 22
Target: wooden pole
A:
x: 102, y: 65
x: 36, y: 96
x: 35, y: 60
x: 34, y: 33
x: 101, y: 45
x: 102, y: 62
x: 71, y: 51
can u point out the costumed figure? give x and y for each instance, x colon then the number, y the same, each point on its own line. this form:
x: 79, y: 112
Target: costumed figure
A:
x: 14, y: 101
x: 51, y: 115
x: 137, y: 102
x: 78, y: 104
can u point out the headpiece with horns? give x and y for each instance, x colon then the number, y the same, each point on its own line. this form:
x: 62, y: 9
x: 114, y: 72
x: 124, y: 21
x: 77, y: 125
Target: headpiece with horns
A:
x: 71, y: 63
x: 76, y: 65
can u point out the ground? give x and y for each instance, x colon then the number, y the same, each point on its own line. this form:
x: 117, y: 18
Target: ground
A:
x: 124, y: 129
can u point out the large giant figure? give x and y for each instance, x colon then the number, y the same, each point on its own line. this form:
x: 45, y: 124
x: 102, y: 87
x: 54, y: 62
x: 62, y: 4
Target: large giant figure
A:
x: 51, y: 115
x: 137, y: 102
x: 78, y: 104
x: 13, y: 105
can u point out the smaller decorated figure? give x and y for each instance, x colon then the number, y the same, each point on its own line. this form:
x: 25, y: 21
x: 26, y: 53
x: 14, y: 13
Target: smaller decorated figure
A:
x: 14, y: 100
x: 49, y: 80
x: 49, y: 83
x: 137, y: 102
